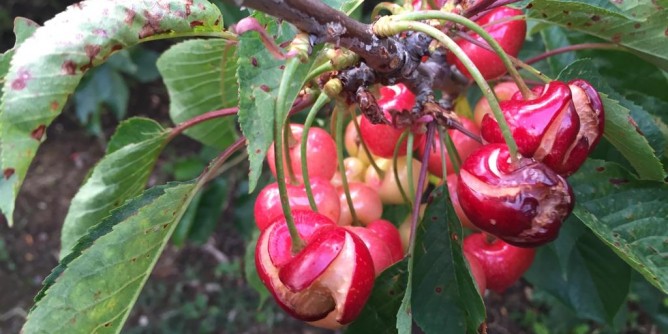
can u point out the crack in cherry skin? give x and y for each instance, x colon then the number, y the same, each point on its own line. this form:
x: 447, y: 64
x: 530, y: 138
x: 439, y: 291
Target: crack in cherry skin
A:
x: 510, y: 35
x: 523, y: 203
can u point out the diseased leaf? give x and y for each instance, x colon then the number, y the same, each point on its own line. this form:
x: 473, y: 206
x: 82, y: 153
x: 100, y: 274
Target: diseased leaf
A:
x: 48, y: 66
x: 621, y: 129
x: 444, y: 295
x: 627, y: 214
x: 196, y: 72
x: 637, y: 25
x: 23, y: 28
x: 93, y: 289
x: 119, y: 176
x: 380, y: 312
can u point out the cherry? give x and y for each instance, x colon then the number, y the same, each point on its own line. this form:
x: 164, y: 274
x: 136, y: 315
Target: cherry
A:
x: 503, y: 91
x: 465, y: 146
x: 268, y: 203
x: 320, y: 152
x: 355, y: 169
x: 509, y: 34
x: 452, y: 180
x: 327, y: 282
x: 502, y: 263
x: 390, y: 234
x: 550, y: 128
x: 387, y: 187
x: 382, y: 138
x: 378, y: 248
x: 366, y: 202
x: 522, y: 202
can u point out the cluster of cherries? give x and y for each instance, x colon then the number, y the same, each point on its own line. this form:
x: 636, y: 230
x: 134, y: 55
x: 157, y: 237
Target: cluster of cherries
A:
x: 511, y: 203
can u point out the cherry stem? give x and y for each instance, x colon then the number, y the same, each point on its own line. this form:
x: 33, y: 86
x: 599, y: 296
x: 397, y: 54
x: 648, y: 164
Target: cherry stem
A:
x: 386, y: 26
x: 395, y: 168
x: 444, y: 164
x: 319, y: 103
x: 475, y: 14
x: 452, y: 150
x: 409, y: 165
x: 211, y: 171
x: 574, y: 47
x: 489, y: 238
x: 289, y: 142
x: 342, y: 168
x: 393, y: 8
x: 177, y: 130
x: 251, y: 24
x: 420, y: 187
x: 281, y: 113
x: 365, y: 148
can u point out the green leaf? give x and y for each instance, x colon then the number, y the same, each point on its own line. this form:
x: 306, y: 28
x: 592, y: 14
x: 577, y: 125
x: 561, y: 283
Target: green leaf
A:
x: 214, y: 199
x: 104, y: 87
x: 93, y: 289
x: 258, y: 74
x: 637, y: 25
x: 621, y: 129
x: 583, y: 273
x: 627, y: 214
x: 48, y: 66
x: 196, y: 72
x: 380, y: 312
x: 444, y: 296
x: 119, y: 176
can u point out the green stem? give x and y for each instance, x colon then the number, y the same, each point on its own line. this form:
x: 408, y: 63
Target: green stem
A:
x: 342, y: 168
x: 367, y: 152
x: 452, y: 150
x: 288, y: 142
x: 319, y: 103
x: 388, y: 6
x: 507, y: 62
x: 395, y: 167
x: 281, y: 112
x: 389, y: 27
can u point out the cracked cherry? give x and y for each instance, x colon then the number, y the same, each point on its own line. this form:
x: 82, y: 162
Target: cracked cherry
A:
x: 320, y: 152
x: 327, y: 282
x: 268, y: 203
x: 452, y: 180
x: 381, y: 139
x: 522, y: 202
x: 559, y: 126
x: 465, y: 146
x: 509, y: 34
x: 503, y: 264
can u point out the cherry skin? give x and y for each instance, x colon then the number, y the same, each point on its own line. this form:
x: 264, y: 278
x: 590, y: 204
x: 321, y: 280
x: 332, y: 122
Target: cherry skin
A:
x: 268, y: 203
x: 465, y: 146
x: 378, y: 248
x: 355, y: 169
x: 386, y: 186
x: 502, y: 263
x: 327, y: 282
x: 390, y: 234
x: 381, y: 139
x: 522, y: 202
x: 366, y: 202
x: 510, y: 35
x: 452, y: 180
x: 320, y: 153
x: 503, y: 91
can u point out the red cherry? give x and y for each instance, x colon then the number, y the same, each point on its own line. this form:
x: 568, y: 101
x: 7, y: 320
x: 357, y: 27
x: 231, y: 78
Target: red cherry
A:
x: 522, y: 202
x: 268, y: 203
x: 550, y: 128
x: 502, y: 263
x: 329, y: 280
x: 503, y: 91
x: 382, y: 138
x: 320, y: 152
x: 390, y: 234
x: 366, y: 202
x: 510, y: 35
x: 465, y: 146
